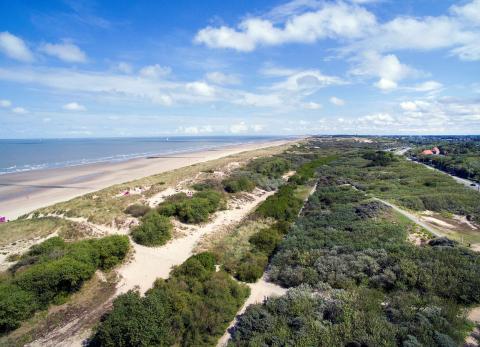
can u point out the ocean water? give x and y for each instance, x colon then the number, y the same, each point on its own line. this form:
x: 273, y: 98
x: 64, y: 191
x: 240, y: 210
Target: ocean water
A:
x: 26, y: 155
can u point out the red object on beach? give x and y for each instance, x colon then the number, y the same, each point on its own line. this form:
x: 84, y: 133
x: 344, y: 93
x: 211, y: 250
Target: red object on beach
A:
x: 3, y: 219
x: 126, y: 193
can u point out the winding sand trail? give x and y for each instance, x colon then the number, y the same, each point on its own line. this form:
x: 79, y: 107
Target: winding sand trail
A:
x: 259, y: 291
x: 148, y: 264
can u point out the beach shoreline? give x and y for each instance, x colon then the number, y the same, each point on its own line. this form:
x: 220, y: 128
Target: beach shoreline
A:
x: 24, y: 192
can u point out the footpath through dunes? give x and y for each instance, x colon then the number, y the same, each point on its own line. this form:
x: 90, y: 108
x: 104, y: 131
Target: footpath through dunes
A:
x: 259, y: 291
x: 149, y: 263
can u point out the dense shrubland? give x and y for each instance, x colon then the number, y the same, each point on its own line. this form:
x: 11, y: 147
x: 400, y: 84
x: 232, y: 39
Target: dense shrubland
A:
x: 282, y: 208
x: 407, y: 184
x: 386, y: 291
x: 307, y: 317
x: 195, y: 209
x: 52, y: 270
x: 192, y: 308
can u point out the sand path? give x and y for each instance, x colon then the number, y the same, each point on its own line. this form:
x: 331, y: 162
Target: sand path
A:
x: 259, y: 291
x: 148, y: 264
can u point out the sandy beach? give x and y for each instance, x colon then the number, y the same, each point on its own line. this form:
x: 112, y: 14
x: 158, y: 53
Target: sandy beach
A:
x: 24, y: 192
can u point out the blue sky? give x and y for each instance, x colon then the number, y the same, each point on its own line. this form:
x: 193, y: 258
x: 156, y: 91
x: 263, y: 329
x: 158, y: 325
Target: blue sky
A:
x: 148, y: 68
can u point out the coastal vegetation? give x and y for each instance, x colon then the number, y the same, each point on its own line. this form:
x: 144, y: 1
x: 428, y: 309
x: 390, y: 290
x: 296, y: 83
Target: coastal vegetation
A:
x: 357, y: 280
x: 354, y: 275
x: 195, y: 209
x: 154, y: 230
x: 52, y: 270
x: 191, y: 308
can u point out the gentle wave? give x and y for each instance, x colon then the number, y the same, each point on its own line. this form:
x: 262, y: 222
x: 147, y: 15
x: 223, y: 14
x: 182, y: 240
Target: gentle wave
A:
x: 122, y: 157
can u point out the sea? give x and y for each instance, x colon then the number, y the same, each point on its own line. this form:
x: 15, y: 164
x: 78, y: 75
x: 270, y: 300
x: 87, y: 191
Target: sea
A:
x: 36, y: 154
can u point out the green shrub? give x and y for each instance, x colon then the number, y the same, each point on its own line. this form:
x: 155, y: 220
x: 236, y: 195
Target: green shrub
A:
x: 380, y: 158
x: 136, y: 321
x: 154, y: 230
x: 191, y: 308
x: 266, y: 240
x: 53, y: 280
x: 197, y: 266
x: 16, y: 305
x: 412, y: 203
x: 272, y: 167
x: 111, y: 250
x: 283, y: 205
x: 238, y: 184
x: 192, y: 210
x: 52, y: 270
x: 251, y: 267
x: 137, y: 210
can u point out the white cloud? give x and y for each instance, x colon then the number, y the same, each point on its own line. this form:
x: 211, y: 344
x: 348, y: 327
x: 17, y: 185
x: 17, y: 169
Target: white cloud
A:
x: 73, y: 106
x: 308, y: 21
x: 238, y: 128
x: 386, y: 84
x: 259, y: 100
x: 307, y: 81
x: 311, y: 106
x: 470, y: 11
x: 333, y: 20
x: 387, y: 67
x: 124, y: 67
x: 275, y: 71
x: 19, y: 110
x: 14, y: 47
x: 65, y: 51
x: 155, y: 71
x: 221, y: 78
x: 378, y: 119
x: 5, y: 103
x: 408, y: 106
x: 337, y: 101
x: 200, y: 88
x: 469, y: 52
x: 428, y: 86
x: 257, y: 127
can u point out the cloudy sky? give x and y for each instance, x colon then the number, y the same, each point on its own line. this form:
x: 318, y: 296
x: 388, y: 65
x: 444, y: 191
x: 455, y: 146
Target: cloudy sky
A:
x: 146, y: 68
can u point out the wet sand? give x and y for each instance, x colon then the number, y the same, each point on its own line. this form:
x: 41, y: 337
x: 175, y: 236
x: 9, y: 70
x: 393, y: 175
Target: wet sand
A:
x: 24, y: 192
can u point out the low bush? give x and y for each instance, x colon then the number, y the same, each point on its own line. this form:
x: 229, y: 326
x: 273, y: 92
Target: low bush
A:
x: 380, y: 158
x: 192, y: 210
x: 52, y: 270
x: 192, y: 308
x: 137, y: 210
x: 251, y: 267
x: 16, y: 305
x: 238, y: 184
x: 266, y: 240
x: 272, y: 167
x: 154, y: 230
x: 282, y: 206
